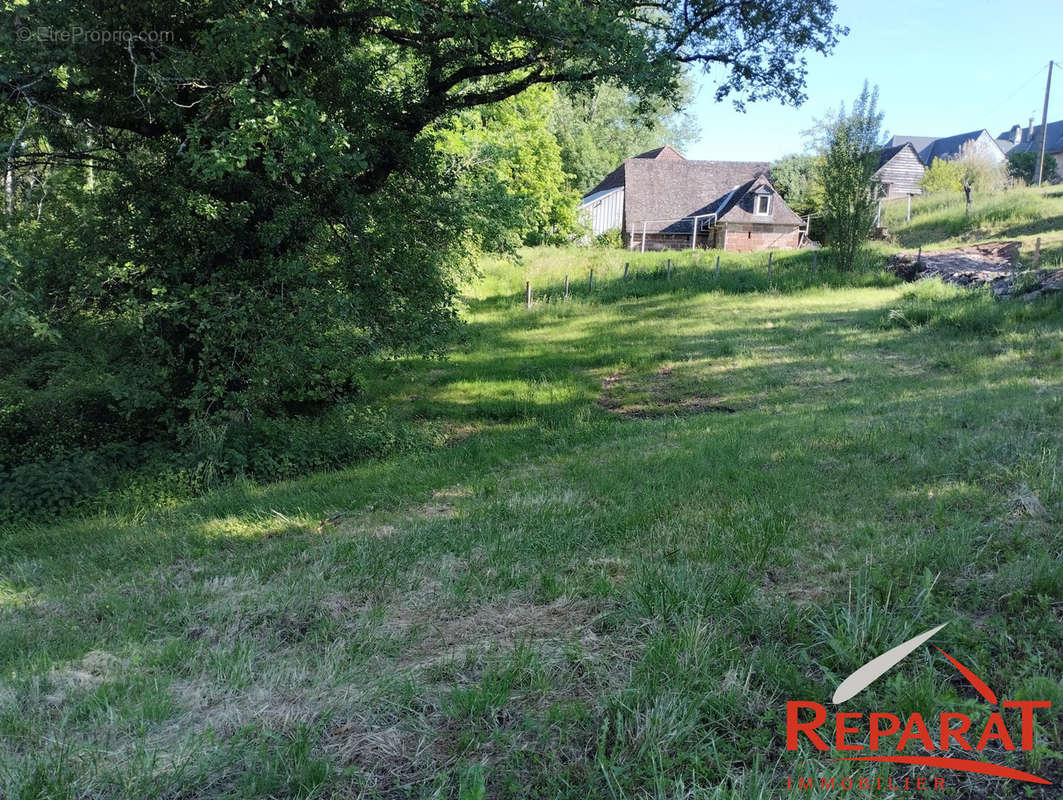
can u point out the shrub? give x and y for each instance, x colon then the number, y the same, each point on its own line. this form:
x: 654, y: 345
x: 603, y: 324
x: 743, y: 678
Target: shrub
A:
x: 1023, y: 167
x: 283, y: 447
x: 942, y: 176
x: 610, y: 239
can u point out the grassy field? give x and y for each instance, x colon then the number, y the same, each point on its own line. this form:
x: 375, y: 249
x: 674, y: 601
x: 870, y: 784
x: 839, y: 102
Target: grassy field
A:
x: 663, y: 508
x: 1024, y: 215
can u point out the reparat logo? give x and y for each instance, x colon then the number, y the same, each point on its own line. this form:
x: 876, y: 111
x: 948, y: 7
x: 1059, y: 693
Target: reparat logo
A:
x: 952, y: 730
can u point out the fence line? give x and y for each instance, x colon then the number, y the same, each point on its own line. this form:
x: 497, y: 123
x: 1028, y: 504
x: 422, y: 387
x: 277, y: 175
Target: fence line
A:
x: 665, y: 273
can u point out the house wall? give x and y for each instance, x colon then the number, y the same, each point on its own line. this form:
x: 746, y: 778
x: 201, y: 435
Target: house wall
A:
x: 604, y: 213
x: 661, y: 241
x: 902, y: 174
x: 743, y: 237
x: 986, y: 147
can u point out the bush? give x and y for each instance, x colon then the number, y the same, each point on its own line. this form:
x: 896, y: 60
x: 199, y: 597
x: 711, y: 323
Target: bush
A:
x: 283, y: 447
x: 610, y: 239
x: 52, y: 485
x: 942, y: 176
x: 1023, y: 167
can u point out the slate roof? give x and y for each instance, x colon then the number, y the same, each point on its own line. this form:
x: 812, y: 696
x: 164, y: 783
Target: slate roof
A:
x: 930, y: 147
x: 1055, y: 139
x: 740, y: 207
x: 920, y: 143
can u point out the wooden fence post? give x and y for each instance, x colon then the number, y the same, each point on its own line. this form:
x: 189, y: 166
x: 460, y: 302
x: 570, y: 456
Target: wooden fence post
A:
x: 527, y: 294
x: 668, y: 274
x: 771, y: 253
x: 717, y: 266
x: 1037, y: 253
x: 919, y: 258
x: 626, y: 264
x: 566, y: 287
x: 590, y: 284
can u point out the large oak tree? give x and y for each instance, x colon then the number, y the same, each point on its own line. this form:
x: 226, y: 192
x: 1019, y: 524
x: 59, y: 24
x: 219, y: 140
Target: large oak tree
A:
x: 267, y: 204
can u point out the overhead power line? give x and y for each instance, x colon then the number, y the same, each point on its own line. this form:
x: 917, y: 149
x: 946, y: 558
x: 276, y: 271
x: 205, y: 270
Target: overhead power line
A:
x: 1016, y: 93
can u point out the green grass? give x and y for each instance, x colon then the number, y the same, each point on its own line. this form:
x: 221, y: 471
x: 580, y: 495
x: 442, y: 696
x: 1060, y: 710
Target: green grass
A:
x: 940, y: 220
x: 663, y: 509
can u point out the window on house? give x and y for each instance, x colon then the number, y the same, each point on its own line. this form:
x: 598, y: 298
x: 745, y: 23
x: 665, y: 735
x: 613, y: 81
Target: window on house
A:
x: 762, y: 204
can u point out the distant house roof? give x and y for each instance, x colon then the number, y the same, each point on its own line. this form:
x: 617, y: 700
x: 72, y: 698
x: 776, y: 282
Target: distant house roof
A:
x: 930, y: 147
x: 1028, y: 143
x: 665, y: 152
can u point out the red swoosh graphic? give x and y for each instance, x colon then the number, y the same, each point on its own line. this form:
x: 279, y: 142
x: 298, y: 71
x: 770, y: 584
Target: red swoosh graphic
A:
x: 961, y: 764
x: 978, y: 684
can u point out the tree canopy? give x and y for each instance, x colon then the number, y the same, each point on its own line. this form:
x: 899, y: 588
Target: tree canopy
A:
x: 263, y: 192
x: 850, y: 150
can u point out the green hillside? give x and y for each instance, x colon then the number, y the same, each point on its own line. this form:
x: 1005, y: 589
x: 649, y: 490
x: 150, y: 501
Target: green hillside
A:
x: 940, y: 220
x: 656, y: 511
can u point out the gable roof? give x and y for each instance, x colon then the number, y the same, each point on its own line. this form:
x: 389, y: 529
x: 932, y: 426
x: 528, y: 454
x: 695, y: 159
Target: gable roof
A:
x: 665, y: 190
x: 662, y: 152
x: 887, y: 154
x: 929, y: 147
x: 918, y: 143
x: 662, y: 193
x: 739, y: 208
x: 615, y: 179
x: 1055, y: 139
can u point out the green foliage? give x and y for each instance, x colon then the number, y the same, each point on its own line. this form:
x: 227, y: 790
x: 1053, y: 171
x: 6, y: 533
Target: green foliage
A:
x: 798, y: 179
x: 597, y: 128
x: 1022, y: 166
x: 850, y: 158
x: 282, y: 448
x: 934, y: 305
x: 942, y: 176
x: 978, y: 172
x: 510, y: 167
x: 241, y: 216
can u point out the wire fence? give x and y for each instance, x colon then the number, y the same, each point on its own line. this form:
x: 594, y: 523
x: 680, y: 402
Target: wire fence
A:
x: 800, y: 270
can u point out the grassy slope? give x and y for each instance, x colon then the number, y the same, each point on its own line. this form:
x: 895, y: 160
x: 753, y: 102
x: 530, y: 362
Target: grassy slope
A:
x: 1022, y: 214
x: 591, y: 591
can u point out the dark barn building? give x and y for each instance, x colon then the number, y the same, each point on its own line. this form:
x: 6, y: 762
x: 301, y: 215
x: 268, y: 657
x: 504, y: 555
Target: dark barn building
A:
x: 662, y: 201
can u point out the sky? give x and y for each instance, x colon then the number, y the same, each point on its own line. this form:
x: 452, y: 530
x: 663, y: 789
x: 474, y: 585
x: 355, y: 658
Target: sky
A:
x: 942, y: 66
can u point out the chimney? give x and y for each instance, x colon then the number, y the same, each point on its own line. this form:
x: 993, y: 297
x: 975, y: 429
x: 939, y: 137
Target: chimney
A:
x: 1015, y: 135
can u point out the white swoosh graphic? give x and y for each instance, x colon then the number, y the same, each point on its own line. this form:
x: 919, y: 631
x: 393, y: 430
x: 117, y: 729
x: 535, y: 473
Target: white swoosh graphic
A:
x: 876, y: 667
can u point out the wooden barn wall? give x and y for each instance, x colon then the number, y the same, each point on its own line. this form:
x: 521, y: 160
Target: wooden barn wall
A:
x: 902, y: 174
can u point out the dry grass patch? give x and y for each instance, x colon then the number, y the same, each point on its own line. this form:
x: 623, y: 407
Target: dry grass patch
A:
x: 664, y: 394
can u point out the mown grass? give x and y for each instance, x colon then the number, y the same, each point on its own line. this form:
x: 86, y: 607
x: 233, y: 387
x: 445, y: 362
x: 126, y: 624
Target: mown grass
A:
x: 664, y: 508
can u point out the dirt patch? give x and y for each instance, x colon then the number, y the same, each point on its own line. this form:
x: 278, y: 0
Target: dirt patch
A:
x: 456, y: 634
x: 92, y: 671
x: 993, y: 264
x: 662, y: 395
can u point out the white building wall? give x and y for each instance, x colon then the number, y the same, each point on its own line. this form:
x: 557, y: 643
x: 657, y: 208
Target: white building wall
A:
x: 604, y: 210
